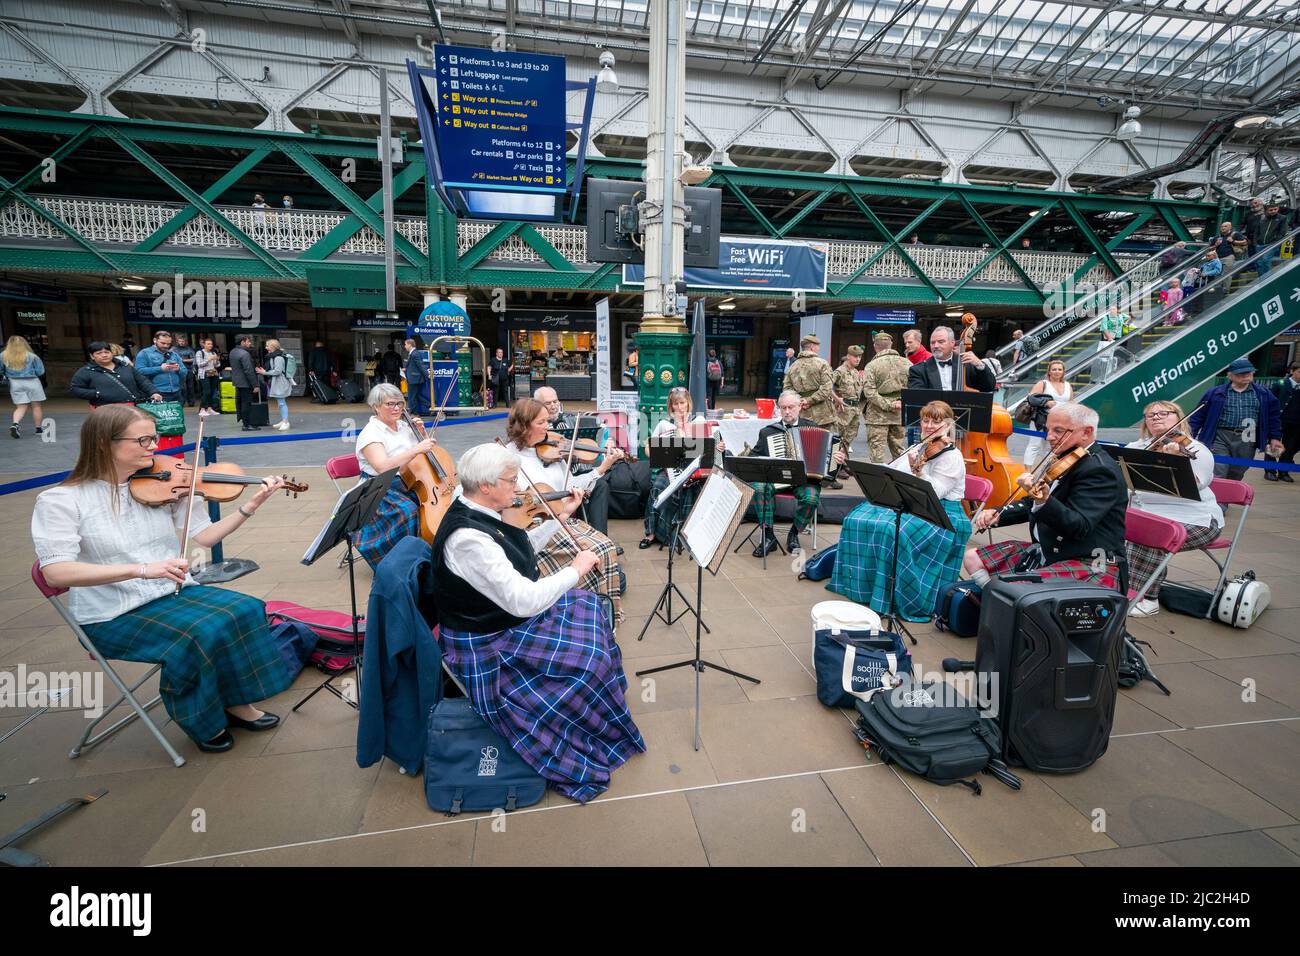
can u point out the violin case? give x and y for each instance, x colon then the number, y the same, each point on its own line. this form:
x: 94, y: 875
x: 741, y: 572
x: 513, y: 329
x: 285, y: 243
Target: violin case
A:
x: 333, y: 629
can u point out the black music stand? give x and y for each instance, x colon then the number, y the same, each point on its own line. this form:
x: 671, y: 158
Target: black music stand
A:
x: 971, y: 411
x: 755, y: 470
x: 673, y: 454
x: 355, y: 510
x: 902, y: 494
x: 1157, y: 472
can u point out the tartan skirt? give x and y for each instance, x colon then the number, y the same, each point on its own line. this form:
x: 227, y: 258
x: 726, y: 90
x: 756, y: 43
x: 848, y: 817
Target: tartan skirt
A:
x: 215, y: 649
x: 603, y: 578
x: 1003, y: 557
x: 928, y: 558
x: 554, y: 688
x: 397, y: 517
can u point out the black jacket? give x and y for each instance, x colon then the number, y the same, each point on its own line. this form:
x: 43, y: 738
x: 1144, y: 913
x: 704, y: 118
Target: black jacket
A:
x: 416, y: 370
x: 101, y: 386
x: 1084, y: 515
x: 926, y: 375
x: 242, y: 372
x: 1288, y: 396
x: 319, y: 364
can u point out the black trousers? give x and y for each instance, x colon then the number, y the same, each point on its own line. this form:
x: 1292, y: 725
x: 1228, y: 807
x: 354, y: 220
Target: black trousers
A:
x: 714, y: 388
x: 243, y: 398
x: 210, y: 392
x: 596, y: 505
x: 1291, y: 439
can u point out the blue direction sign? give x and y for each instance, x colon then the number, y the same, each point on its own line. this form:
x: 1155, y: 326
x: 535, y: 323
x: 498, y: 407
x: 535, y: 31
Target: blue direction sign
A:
x: 500, y: 119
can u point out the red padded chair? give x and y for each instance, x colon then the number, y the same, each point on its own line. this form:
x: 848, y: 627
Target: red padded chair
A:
x: 1228, y: 492
x: 1152, y: 531
x: 141, y: 711
x: 342, y: 466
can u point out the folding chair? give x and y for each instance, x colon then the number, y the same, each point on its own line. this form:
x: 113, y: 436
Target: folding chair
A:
x: 1228, y: 492
x: 790, y: 495
x: 1152, y: 531
x: 977, y: 492
x: 342, y: 466
x: 127, y: 693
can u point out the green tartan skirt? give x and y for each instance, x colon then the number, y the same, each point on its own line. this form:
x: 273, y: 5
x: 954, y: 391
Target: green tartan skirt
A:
x: 215, y: 648
x: 928, y: 558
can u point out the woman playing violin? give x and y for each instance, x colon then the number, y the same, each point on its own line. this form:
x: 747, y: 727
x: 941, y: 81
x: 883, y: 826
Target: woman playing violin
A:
x: 932, y: 556
x: 121, y: 561
x: 1161, y: 432
x: 677, y: 422
x: 527, y: 427
x: 385, y: 443
x: 1076, y: 518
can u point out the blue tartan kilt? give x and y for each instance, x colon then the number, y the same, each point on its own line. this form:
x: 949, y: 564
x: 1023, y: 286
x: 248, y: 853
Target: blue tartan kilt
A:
x: 554, y: 688
x: 215, y: 648
x: 928, y: 559
x: 397, y: 517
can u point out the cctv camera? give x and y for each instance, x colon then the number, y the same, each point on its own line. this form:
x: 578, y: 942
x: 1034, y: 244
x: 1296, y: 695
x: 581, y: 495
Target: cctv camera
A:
x: 606, y: 59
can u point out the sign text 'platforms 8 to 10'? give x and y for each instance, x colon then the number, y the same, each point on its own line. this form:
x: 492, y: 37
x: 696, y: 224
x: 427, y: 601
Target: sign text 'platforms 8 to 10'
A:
x: 500, y: 119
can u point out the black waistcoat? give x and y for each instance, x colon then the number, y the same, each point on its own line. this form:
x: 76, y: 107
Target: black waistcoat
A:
x: 461, y: 606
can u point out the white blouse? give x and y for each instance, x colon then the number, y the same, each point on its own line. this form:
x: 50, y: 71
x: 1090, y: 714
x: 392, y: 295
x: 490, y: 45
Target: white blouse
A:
x: 552, y: 474
x: 473, y: 556
x: 81, y: 523
x: 1197, y: 514
x: 945, y: 472
x: 394, y: 440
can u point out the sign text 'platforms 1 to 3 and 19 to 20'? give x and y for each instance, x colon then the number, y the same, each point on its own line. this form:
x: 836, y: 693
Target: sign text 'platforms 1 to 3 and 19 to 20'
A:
x: 501, y: 119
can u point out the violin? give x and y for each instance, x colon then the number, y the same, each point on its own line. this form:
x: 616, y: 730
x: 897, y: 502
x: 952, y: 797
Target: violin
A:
x: 528, y: 506
x: 168, y: 480
x: 1174, y: 437
x: 1039, y: 483
x: 555, y: 446
x: 431, y: 477
x: 931, y: 448
x: 986, y: 454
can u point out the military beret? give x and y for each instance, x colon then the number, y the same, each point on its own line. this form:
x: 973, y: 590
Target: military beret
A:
x: 810, y: 337
x: 856, y: 350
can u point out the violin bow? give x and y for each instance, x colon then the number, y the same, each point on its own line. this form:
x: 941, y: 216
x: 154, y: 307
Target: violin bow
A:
x: 573, y: 445
x: 189, y: 500
x: 1175, y: 427
x: 1044, y: 463
x: 537, y: 495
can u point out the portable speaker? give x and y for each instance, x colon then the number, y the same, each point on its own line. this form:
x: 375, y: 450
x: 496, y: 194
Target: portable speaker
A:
x: 1049, y: 651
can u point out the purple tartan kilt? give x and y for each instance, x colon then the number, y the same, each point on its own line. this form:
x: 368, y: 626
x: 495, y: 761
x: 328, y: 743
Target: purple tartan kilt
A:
x: 397, y: 517
x: 554, y: 688
x: 1002, y: 557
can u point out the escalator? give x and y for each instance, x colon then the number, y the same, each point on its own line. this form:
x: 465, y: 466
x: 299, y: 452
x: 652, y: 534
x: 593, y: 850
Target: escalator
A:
x: 1225, y: 320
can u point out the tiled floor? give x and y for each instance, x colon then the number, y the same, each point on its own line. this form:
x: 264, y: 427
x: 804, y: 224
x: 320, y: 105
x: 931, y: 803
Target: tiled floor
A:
x: 1209, y: 775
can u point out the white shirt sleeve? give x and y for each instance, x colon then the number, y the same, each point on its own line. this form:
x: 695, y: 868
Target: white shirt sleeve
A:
x: 474, y: 557
x: 947, y: 474
x: 56, y: 530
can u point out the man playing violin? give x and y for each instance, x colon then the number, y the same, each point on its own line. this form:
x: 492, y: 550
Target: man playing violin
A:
x: 1076, y: 521
x: 121, y: 561
x: 526, y: 428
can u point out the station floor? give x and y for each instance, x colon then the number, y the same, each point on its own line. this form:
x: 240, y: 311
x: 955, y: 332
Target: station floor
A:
x: 1208, y: 776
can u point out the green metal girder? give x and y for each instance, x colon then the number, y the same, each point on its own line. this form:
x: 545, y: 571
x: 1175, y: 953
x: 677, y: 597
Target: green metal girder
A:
x: 892, y: 242
x: 488, y: 244
x: 550, y: 255
x: 69, y: 146
x: 211, y: 194
x: 803, y: 213
x: 333, y: 240
x: 1098, y: 246
x: 12, y: 191
x: 1000, y: 246
x: 1138, y: 221
x: 748, y: 203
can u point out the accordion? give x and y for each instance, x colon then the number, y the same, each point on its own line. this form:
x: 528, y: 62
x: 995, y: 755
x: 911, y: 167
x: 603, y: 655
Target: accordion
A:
x: 813, y: 446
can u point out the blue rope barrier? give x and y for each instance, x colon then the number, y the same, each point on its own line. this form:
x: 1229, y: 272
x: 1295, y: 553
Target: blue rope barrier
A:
x: 1266, y: 463
x: 41, y: 481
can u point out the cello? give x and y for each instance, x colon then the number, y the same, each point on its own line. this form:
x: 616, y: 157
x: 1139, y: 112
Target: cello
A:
x: 431, y: 477
x: 986, y: 454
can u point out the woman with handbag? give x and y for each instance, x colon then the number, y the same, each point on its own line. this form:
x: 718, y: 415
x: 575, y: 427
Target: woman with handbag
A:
x: 930, y: 557
x: 207, y: 366
x: 106, y: 381
x: 1044, y: 396
x: 279, y: 385
x: 24, y: 369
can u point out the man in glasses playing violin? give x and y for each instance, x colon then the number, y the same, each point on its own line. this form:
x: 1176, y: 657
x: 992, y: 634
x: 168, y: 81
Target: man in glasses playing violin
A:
x: 1076, y: 521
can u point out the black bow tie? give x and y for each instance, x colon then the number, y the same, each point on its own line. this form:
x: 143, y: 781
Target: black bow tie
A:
x: 943, y: 364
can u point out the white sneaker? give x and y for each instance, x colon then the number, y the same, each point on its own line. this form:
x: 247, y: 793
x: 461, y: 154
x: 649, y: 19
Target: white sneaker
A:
x: 205, y: 413
x: 283, y: 425
x: 1147, y: 607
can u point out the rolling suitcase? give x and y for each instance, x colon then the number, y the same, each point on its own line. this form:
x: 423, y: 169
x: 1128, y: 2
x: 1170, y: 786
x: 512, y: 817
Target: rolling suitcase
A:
x: 324, y: 394
x: 257, y: 414
x: 351, y: 393
x: 1048, y: 653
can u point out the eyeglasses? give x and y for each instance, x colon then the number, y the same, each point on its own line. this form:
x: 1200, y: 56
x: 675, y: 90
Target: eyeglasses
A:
x: 1163, y: 414
x: 394, y: 404
x: 144, y: 441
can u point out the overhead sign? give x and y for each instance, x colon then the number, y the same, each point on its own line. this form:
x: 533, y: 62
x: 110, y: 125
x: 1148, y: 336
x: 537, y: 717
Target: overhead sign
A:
x: 500, y: 119
x: 370, y: 322
x: 870, y: 315
x: 602, y: 354
x: 333, y: 288
x: 440, y: 318
x: 31, y: 292
x: 140, y: 310
x: 762, y: 265
x: 725, y: 325
x: 551, y: 319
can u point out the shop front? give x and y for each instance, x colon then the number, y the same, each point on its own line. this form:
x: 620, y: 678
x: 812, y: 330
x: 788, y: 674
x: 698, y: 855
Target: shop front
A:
x: 554, y: 347
x: 726, y: 335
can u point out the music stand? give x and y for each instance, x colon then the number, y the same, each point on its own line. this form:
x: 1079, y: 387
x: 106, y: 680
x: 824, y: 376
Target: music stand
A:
x: 708, y: 532
x: 754, y: 470
x: 1157, y: 472
x: 355, y: 509
x: 902, y: 494
x: 673, y: 454
x: 971, y: 411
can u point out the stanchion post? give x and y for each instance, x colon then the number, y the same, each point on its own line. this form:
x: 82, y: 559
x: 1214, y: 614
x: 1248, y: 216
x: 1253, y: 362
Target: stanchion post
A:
x: 210, y: 444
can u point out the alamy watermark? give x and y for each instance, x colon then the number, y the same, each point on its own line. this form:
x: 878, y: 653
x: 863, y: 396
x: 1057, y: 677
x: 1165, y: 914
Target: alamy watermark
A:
x: 74, y: 690
x: 180, y: 299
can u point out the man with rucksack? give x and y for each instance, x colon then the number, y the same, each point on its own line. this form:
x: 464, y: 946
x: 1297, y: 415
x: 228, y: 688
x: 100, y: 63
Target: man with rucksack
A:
x: 714, y: 376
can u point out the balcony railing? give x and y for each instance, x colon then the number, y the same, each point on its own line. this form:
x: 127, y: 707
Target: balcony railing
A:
x: 124, y: 223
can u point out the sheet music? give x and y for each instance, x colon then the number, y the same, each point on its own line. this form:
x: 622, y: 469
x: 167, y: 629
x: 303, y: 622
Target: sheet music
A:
x: 711, y: 518
x: 678, y: 478
x: 320, y: 535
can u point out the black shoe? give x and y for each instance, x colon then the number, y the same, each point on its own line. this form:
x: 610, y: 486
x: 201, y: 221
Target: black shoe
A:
x: 266, y: 722
x: 618, y: 549
x: 837, y: 485
x: 1285, y: 476
x: 247, y: 428
x: 766, y: 545
x: 645, y: 543
x: 15, y: 431
x: 792, y: 540
x: 218, y: 744
x: 1270, y: 476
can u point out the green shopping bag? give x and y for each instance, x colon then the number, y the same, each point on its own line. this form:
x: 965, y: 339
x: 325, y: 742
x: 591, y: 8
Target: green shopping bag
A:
x: 170, y: 416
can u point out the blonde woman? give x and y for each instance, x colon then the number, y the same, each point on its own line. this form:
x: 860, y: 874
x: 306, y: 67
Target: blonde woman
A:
x: 279, y: 385
x: 24, y: 369
x: 1053, y: 390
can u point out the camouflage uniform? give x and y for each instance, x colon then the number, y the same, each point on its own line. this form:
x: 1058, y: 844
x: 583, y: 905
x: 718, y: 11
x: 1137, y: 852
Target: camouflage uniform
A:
x: 813, y: 379
x: 882, y: 385
x: 848, y: 386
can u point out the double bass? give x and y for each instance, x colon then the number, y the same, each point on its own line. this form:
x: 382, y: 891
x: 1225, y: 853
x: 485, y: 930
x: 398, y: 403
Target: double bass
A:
x: 431, y: 477
x: 986, y: 454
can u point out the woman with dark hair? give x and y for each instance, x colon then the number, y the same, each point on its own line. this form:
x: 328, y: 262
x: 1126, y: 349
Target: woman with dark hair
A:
x: 121, y: 561
x: 105, y: 381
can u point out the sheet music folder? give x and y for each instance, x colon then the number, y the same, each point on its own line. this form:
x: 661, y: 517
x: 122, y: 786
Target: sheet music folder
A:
x: 900, y: 491
x: 1156, y: 472
x: 972, y: 411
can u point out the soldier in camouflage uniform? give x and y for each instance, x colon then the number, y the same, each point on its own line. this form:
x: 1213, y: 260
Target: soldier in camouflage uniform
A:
x: 882, y: 400
x: 848, y: 397
x: 812, y: 377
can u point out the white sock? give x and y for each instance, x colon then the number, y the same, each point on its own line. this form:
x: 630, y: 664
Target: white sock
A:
x: 981, y: 577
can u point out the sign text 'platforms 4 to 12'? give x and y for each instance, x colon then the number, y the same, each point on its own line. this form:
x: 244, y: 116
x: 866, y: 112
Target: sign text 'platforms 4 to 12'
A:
x: 500, y: 119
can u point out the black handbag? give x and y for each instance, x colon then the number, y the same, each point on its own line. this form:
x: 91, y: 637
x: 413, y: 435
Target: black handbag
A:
x: 1186, y: 599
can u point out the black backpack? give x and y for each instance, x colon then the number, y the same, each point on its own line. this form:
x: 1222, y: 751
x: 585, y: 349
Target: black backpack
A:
x: 1133, y: 666
x: 932, y: 731
x: 629, y: 488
